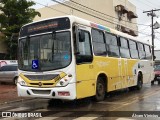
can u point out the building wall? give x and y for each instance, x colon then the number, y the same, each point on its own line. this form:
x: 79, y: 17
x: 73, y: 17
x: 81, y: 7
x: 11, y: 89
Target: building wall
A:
x: 56, y: 10
x: 103, y: 6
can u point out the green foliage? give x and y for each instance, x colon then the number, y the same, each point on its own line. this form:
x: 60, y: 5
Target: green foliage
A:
x: 14, y: 14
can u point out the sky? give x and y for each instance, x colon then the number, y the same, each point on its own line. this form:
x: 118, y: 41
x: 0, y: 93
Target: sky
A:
x: 141, y: 5
x: 147, y: 5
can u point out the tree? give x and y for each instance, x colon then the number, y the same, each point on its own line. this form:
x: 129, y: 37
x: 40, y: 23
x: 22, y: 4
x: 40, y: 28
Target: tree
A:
x: 14, y: 14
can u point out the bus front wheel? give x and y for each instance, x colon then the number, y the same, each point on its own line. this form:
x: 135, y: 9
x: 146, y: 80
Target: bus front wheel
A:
x: 15, y: 80
x: 100, y: 90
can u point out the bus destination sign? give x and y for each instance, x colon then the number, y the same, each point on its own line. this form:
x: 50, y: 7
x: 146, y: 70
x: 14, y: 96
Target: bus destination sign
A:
x: 45, y: 26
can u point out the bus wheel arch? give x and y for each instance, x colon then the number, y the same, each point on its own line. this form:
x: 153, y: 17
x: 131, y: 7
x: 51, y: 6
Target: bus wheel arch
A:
x: 101, y: 87
x: 139, y: 80
x: 15, y: 80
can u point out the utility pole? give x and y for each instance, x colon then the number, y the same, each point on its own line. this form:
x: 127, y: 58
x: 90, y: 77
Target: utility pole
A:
x: 152, y: 14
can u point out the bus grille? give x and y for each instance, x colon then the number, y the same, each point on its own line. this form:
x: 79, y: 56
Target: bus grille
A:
x: 42, y: 83
x: 44, y: 92
x: 41, y: 77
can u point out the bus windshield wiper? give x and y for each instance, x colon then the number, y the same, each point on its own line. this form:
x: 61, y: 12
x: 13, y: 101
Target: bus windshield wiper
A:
x: 54, y: 39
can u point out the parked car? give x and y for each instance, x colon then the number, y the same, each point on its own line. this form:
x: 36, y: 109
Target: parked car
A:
x: 9, y: 73
x: 157, y: 73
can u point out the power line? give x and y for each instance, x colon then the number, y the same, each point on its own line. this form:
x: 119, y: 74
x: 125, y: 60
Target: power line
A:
x: 83, y: 12
x: 145, y: 3
x: 143, y: 33
x: 90, y: 14
x: 87, y: 10
x: 104, y: 13
x: 136, y: 6
x: 52, y: 8
x: 144, y: 28
x: 157, y: 32
x: 157, y: 38
x: 150, y: 3
x: 87, y: 13
x: 152, y: 14
x: 92, y: 9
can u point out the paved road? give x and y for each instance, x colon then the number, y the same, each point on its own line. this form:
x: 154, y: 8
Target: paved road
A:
x: 121, y: 105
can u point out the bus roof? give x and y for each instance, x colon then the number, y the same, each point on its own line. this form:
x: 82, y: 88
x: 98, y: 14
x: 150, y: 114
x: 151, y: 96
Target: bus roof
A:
x: 104, y: 28
x: 78, y: 20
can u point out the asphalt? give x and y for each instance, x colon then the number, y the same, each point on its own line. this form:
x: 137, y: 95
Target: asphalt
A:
x: 8, y: 94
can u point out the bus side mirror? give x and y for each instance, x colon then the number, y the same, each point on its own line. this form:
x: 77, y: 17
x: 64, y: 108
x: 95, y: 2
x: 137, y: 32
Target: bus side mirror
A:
x: 81, y: 36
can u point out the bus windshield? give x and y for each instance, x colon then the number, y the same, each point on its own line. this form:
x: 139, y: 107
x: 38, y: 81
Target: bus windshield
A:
x: 52, y: 51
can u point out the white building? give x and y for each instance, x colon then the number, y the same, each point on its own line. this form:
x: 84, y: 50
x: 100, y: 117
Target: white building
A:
x: 117, y: 14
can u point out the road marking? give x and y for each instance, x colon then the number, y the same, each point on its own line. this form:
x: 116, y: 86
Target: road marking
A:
x: 124, y: 119
x: 10, y: 118
x: 46, y: 118
x: 88, y: 117
x: 114, y: 103
x: 5, y: 107
x: 41, y: 110
x: 19, y: 109
x: 60, y: 114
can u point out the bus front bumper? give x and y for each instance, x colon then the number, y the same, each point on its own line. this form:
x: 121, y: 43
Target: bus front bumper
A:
x: 67, y: 93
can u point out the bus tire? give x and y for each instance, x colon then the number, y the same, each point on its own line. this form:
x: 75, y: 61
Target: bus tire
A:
x: 131, y: 88
x: 152, y: 82
x: 139, y: 82
x: 100, y: 89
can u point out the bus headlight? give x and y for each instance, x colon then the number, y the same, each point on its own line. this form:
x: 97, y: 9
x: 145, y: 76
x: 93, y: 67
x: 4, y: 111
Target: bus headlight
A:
x: 21, y: 81
x: 65, y: 81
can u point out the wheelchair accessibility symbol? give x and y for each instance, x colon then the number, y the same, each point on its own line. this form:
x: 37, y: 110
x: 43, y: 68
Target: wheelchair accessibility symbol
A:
x: 35, y: 64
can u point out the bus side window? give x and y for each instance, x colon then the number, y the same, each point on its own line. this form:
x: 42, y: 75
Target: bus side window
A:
x: 148, y: 52
x: 141, y: 51
x: 112, y: 45
x: 133, y: 49
x: 99, y: 46
x: 124, y: 50
x: 84, y: 45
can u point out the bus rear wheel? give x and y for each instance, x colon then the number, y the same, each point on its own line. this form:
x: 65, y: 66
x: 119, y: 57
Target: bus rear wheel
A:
x: 100, y: 90
x: 139, y: 82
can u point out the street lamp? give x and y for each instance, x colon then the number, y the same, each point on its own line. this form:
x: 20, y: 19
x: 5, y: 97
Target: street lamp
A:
x: 156, y: 25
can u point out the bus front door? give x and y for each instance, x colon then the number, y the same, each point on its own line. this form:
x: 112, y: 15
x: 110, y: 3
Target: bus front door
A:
x: 84, y: 66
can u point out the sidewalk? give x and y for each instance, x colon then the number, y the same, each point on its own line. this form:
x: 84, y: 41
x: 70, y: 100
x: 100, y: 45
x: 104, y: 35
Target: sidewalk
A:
x: 8, y: 94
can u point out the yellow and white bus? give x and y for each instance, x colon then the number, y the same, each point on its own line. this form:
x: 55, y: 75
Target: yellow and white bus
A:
x: 72, y: 58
